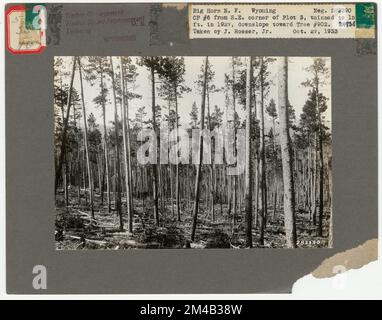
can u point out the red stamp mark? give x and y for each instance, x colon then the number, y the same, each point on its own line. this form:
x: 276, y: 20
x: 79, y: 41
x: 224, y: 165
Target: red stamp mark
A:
x: 19, y: 39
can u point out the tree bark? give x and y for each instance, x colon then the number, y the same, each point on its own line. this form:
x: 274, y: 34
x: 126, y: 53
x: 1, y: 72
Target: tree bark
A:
x: 154, y: 166
x: 314, y: 179
x: 65, y: 129
x: 199, y: 166
x: 177, y: 151
x: 320, y: 144
x: 90, y: 179
x: 106, y: 153
x: 234, y: 200
x: 117, y: 162
x: 65, y: 168
x: 286, y: 155
x: 263, y: 176
x: 211, y: 184
x: 126, y: 152
x: 248, y: 153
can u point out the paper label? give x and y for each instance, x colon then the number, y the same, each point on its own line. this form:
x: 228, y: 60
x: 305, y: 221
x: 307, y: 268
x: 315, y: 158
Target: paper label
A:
x: 282, y: 21
x: 20, y: 39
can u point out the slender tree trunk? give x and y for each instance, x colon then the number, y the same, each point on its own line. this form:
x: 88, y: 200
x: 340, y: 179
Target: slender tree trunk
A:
x: 310, y: 179
x: 274, y: 168
x: 84, y: 175
x: 103, y: 183
x: 257, y: 167
x: 78, y: 173
x: 260, y: 202
x: 98, y: 158
x: 199, y: 166
x: 142, y: 195
x: 286, y: 155
x: 130, y: 168
x: 314, y: 181
x: 234, y: 197
x: 296, y: 175
x: 211, y: 184
x: 248, y: 154
x: 106, y: 155
x: 274, y: 201
x: 330, y: 242
x: 65, y: 168
x: 90, y: 180
x: 226, y: 189
x: 65, y: 129
x: 154, y: 166
x: 65, y: 182
x: 169, y: 163
x: 320, y: 144
x: 126, y: 152
x: 256, y: 178
x: 117, y: 162
x: 177, y: 164
x: 263, y: 177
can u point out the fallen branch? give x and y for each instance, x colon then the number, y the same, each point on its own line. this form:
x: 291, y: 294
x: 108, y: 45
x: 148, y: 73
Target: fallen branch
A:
x: 234, y: 247
x: 87, y: 240
x: 84, y: 214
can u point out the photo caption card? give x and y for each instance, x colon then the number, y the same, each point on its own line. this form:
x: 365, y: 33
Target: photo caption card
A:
x: 189, y: 148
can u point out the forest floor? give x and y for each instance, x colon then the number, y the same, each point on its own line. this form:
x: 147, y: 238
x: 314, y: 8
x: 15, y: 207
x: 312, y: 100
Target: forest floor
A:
x: 75, y: 229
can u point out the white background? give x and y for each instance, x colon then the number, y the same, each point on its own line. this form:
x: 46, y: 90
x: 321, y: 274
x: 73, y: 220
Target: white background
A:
x: 365, y: 283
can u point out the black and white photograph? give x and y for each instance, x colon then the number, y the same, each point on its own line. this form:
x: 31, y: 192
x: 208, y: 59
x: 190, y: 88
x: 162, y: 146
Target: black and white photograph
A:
x: 192, y: 152
x: 137, y: 134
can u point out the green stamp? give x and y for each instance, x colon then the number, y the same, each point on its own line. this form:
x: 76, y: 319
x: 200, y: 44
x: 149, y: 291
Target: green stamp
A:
x: 365, y: 15
x: 32, y: 15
